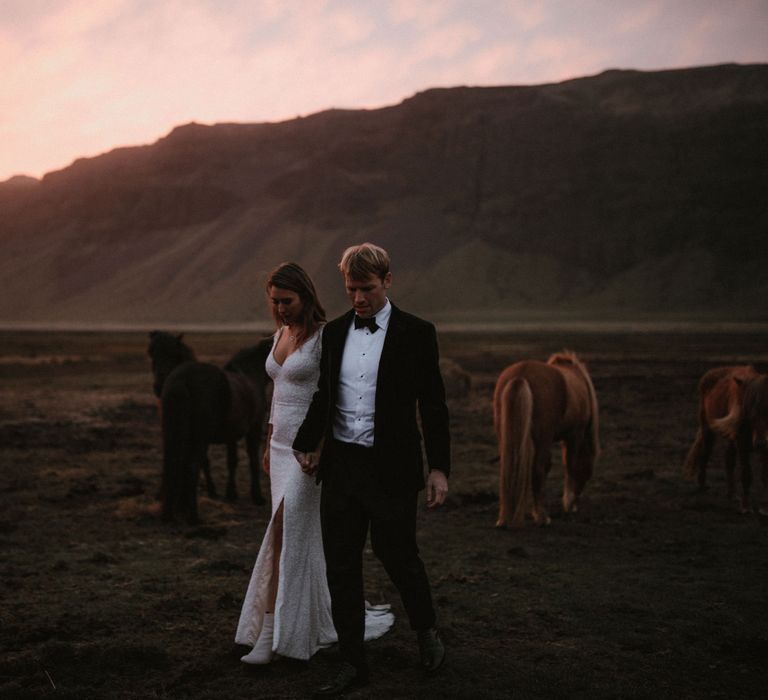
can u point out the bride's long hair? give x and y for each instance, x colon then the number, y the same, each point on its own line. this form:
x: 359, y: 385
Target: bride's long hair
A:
x: 291, y: 276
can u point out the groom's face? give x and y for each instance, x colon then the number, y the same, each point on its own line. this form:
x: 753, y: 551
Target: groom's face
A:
x: 368, y: 296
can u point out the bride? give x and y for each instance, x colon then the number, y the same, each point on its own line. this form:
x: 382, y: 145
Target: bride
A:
x: 287, y: 607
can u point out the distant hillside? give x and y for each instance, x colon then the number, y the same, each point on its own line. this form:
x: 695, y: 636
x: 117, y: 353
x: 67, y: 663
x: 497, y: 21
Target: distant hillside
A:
x: 609, y: 196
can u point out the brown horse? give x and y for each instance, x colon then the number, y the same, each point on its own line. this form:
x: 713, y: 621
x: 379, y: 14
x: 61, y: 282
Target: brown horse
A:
x: 733, y: 403
x: 202, y: 404
x: 534, y: 405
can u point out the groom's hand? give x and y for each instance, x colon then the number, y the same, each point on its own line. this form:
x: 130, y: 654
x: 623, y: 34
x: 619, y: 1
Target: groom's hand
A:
x: 437, y: 487
x: 308, y: 461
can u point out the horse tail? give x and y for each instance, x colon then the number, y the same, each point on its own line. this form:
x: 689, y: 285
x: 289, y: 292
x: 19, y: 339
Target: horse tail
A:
x: 594, y: 417
x: 728, y: 426
x: 695, y: 456
x: 698, y: 453
x: 517, y: 452
x: 177, y: 440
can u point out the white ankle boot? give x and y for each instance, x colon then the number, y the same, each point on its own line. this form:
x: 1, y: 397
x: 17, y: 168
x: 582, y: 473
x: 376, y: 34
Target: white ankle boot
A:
x: 262, y: 651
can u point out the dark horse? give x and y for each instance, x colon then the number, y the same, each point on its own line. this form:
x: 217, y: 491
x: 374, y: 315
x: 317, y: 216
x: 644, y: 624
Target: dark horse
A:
x: 202, y: 404
x: 733, y: 403
x: 534, y: 405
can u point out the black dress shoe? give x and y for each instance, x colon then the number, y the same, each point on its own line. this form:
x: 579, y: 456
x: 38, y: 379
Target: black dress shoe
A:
x: 431, y: 649
x: 348, y: 679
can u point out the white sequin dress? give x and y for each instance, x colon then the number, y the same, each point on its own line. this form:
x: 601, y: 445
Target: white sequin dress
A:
x: 303, y: 621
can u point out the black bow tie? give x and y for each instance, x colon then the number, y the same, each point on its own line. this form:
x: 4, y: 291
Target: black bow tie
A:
x: 369, y: 323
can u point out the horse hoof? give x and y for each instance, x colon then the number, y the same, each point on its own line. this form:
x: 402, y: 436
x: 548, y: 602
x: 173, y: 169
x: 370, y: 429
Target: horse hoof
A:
x: 502, y: 526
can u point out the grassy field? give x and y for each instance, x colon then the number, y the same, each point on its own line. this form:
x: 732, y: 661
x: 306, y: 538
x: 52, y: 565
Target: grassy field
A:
x: 652, y: 590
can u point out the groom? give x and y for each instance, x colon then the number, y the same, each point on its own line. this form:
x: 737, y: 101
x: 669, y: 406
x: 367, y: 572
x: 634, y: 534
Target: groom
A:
x: 378, y: 366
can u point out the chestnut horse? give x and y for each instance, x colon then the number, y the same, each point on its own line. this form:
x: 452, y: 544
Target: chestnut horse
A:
x: 534, y: 405
x: 733, y: 403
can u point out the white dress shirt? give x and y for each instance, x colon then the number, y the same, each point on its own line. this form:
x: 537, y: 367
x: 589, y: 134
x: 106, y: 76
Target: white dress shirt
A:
x: 356, y: 402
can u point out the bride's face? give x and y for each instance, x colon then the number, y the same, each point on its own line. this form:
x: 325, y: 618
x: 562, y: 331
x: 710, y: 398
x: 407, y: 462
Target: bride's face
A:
x: 286, y: 304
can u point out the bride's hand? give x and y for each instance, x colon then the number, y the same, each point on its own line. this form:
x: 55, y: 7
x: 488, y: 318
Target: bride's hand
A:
x: 265, y: 461
x: 265, y: 458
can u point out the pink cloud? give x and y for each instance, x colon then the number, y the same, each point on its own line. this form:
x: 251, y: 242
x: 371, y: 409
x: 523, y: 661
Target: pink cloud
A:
x: 80, y: 77
x: 494, y: 64
x: 639, y: 16
x: 351, y: 27
x: 444, y: 42
x: 423, y: 13
x: 527, y: 14
x: 560, y: 58
x: 76, y: 17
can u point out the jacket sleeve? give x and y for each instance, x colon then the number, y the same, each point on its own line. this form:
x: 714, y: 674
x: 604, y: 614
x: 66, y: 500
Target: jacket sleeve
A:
x: 433, y: 409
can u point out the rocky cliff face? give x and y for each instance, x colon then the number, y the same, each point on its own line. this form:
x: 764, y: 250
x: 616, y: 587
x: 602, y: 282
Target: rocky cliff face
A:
x: 618, y: 194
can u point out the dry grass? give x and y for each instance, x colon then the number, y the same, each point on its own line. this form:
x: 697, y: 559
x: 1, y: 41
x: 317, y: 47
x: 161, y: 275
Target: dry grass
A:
x: 652, y: 590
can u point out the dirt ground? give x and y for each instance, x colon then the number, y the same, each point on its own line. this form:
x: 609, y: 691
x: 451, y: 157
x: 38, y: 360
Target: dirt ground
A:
x: 652, y: 590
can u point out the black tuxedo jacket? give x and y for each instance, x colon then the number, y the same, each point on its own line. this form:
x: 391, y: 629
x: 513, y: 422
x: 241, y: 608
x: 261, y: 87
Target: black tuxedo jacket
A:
x: 409, y: 381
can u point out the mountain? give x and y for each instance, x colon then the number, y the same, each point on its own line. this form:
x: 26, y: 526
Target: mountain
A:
x: 623, y: 194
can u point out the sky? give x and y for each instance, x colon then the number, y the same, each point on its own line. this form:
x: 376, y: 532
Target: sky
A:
x: 80, y: 77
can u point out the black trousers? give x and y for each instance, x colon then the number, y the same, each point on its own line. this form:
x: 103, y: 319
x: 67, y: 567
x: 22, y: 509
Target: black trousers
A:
x: 351, y: 503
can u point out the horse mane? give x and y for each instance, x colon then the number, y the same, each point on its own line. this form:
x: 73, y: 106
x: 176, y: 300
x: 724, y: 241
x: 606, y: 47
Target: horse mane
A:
x: 170, y: 345
x: 252, y: 357
x: 568, y: 357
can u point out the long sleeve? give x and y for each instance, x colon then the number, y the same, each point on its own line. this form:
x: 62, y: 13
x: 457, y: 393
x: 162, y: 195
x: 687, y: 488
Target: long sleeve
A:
x: 433, y: 409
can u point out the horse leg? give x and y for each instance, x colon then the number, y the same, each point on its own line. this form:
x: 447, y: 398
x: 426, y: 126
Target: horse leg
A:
x: 252, y: 442
x: 764, y: 478
x: 188, y: 492
x: 209, y: 485
x: 698, y: 455
x: 231, y: 470
x: 730, y: 468
x: 744, y: 448
x: 541, y: 465
x: 571, y: 449
x: 176, y: 427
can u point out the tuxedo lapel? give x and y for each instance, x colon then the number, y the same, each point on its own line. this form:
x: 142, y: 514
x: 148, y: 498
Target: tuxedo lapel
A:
x: 337, y: 343
x: 392, y: 349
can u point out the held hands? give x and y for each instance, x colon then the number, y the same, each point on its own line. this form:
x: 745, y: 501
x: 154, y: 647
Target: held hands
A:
x: 437, y: 488
x: 308, y: 461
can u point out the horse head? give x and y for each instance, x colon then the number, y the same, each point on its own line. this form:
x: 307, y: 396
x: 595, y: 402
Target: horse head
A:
x: 756, y: 408
x: 251, y: 361
x: 167, y: 351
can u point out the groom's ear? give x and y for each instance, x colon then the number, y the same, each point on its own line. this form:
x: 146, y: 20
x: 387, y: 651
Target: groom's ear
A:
x: 387, y: 281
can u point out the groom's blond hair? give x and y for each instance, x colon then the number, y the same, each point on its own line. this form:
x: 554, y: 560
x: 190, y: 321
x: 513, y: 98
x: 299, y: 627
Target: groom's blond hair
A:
x: 359, y: 262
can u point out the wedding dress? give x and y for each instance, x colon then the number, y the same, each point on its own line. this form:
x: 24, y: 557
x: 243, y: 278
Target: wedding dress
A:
x: 302, y: 615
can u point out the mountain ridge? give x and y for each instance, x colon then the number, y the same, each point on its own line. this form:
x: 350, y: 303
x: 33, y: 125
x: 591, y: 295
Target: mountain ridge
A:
x: 628, y: 192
